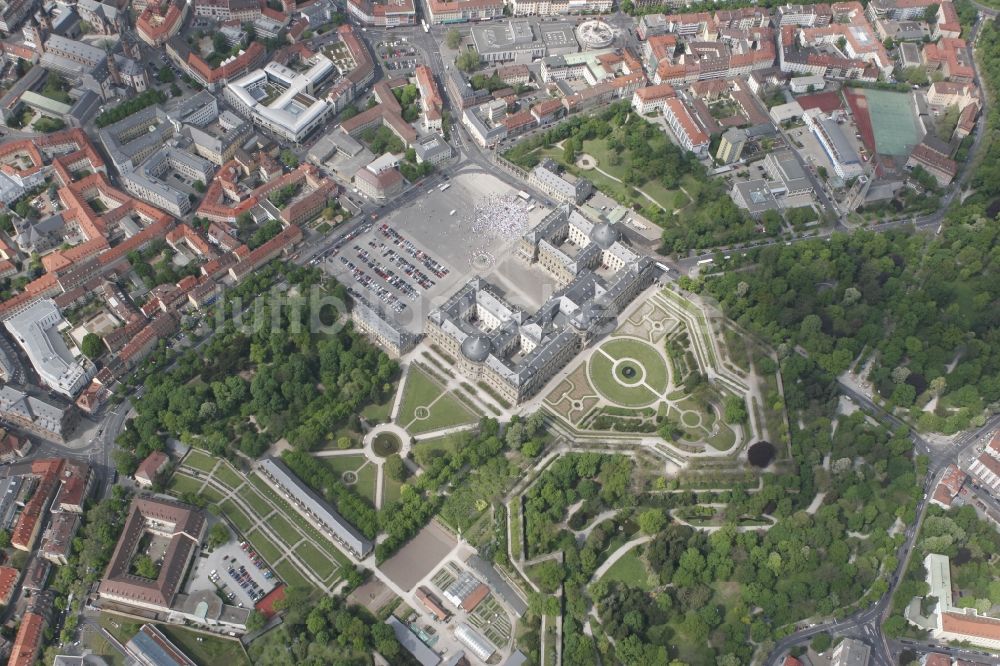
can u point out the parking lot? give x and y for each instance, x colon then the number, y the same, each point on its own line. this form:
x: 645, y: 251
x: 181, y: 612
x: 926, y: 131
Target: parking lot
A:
x: 397, y: 56
x: 415, y: 257
x: 250, y: 580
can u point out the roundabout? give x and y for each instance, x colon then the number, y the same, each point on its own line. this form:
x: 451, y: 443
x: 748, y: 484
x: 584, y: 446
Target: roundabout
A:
x: 385, y: 444
x: 384, y: 440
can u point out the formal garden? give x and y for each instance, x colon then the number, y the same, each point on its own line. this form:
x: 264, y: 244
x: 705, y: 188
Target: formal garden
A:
x: 426, y: 404
x: 665, y: 373
x: 297, y: 551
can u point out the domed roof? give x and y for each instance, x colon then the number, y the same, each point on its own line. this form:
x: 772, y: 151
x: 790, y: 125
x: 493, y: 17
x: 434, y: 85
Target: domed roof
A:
x: 604, y: 235
x: 476, y: 348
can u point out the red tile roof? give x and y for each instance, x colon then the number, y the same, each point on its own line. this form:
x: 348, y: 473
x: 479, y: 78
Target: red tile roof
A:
x: 188, y: 525
x: 153, y: 463
x: 475, y: 598
x: 27, y: 527
x: 8, y: 580
x: 75, y: 477
x: 28, y: 641
x: 971, y: 625
x: 158, y: 26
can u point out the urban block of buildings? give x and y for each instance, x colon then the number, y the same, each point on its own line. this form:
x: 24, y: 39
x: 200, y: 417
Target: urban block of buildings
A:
x: 182, y: 527
x: 37, y: 329
x: 946, y: 621
x: 281, y: 99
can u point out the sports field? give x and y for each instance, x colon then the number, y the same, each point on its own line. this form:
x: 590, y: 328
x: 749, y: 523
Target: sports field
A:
x: 893, y: 121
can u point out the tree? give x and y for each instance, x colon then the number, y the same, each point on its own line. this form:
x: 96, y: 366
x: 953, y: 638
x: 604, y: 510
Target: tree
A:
x: 394, y: 467
x: 569, y: 153
x: 219, y: 43
x: 468, y: 61
x: 735, y: 410
x: 175, y: 90
x: 199, y: 187
x: 821, y: 642
x: 4, y: 539
x: 289, y: 159
x: 652, y: 521
x: 218, y: 535
x: 916, y: 76
x: 92, y: 345
x: 145, y: 567
x: 165, y: 75
x: 453, y: 38
x: 255, y: 621
x: 549, y: 575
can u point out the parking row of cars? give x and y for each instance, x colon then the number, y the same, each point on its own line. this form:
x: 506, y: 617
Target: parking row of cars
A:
x: 431, y: 264
x: 373, y: 286
x: 386, y: 273
x: 394, y: 257
x: 256, y: 559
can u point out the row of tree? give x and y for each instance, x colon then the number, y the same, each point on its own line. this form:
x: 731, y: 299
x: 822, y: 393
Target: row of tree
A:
x: 326, y: 630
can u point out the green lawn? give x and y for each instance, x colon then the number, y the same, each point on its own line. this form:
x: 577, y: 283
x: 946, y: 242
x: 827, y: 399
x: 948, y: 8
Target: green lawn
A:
x: 229, y: 476
x: 341, y: 464
x: 123, y: 629
x: 448, y: 411
x: 236, y: 516
x: 647, y: 356
x: 600, y: 370
x: 426, y: 449
x: 367, y: 482
x: 210, y: 650
x: 631, y: 571
x: 199, y: 460
x: 378, y: 413
x: 284, y: 529
x: 420, y: 390
x: 319, y: 562
x: 390, y: 491
x: 263, y: 545
x: 101, y: 646
x: 288, y: 573
x: 722, y: 440
x: 212, y: 495
x: 181, y: 484
x: 256, y: 502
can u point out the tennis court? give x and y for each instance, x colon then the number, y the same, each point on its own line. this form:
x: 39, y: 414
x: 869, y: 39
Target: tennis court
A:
x: 893, y: 121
